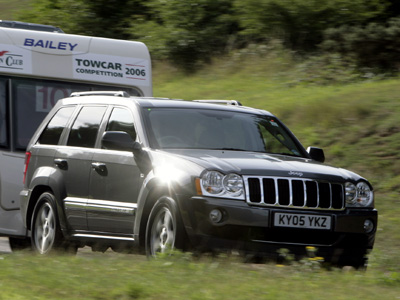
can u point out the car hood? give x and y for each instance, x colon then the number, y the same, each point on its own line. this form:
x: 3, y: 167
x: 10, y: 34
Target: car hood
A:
x: 261, y: 164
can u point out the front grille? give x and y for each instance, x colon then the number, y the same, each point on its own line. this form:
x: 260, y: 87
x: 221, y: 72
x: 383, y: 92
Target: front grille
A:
x: 293, y: 192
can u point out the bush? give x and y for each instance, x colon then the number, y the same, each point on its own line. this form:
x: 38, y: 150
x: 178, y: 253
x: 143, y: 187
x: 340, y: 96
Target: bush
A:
x: 327, y: 68
x: 375, y: 46
x: 104, y: 18
x: 301, y: 23
x: 188, y: 33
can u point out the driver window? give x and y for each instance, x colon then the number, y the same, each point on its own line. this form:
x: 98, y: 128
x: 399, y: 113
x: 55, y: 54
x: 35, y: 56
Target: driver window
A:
x: 121, y: 120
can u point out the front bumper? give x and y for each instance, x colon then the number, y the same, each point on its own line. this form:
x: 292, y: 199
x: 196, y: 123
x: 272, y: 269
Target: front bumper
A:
x: 251, y: 228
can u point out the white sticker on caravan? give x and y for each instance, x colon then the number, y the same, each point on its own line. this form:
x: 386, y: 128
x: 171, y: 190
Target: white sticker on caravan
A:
x: 115, y: 69
x: 15, y: 60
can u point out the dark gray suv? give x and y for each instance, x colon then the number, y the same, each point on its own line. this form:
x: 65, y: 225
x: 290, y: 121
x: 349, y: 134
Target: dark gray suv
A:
x: 108, y: 170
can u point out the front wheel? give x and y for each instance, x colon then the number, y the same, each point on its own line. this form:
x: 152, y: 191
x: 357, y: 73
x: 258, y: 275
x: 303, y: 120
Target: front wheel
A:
x: 164, y: 230
x: 356, y: 258
x: 46, y: 233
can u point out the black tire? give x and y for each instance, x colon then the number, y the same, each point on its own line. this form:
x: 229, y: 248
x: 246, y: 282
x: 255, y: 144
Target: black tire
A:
x: 20, y: 244
x: 46, y: 234
x: 355, y: 259
x: 164, y: 230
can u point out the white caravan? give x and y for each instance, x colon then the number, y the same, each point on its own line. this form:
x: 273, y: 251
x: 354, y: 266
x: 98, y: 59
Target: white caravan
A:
x: 36, y: 69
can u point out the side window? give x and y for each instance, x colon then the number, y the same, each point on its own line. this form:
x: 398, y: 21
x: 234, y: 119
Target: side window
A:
x: 51, y: 135
x: 276, y: 140
x: 121, y: 120
x: 85, y: 128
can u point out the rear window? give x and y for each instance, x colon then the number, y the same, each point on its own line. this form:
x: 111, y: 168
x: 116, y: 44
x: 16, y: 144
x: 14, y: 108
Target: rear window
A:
x: 51, y: 135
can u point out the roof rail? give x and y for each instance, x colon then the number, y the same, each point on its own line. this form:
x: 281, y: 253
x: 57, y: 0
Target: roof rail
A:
x: 159, y: 98
x: 226, y: 102
x: 101, y: 93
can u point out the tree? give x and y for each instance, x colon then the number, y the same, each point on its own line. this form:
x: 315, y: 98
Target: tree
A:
x: 301, y: 23
x: 187, y: 32
x: 104, y: 18
x: 375, y: 46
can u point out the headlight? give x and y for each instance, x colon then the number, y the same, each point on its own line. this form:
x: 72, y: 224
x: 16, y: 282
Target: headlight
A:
x: 359, y: 195
x: 216, y: 184
x: 233, y: 184
x: 212, y: 182
x: 365, y: 196
x: 351, y: 193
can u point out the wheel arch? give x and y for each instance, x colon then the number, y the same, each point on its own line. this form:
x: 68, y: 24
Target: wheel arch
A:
x: 151, y: 193
x: 52, y: 184
x: 34, y: 198
x: 46, y: 234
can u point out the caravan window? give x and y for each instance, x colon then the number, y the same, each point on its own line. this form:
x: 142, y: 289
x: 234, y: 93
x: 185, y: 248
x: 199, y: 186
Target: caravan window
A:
x: 33, y: 99
x: 3, y: 114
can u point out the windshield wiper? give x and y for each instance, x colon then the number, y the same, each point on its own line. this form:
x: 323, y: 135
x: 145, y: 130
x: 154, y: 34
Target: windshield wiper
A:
x: 287, y: 154
x: 233, y: 149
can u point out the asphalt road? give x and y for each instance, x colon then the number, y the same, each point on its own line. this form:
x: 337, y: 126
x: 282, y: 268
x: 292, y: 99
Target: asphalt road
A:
x: 4, y: 246
x: 5, y: 249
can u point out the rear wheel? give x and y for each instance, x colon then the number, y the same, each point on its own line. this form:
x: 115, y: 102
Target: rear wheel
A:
x: 46, y: 233
x: 164, y: 230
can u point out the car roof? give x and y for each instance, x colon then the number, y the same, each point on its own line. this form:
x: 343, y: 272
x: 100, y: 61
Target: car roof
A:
x: 153, y: 102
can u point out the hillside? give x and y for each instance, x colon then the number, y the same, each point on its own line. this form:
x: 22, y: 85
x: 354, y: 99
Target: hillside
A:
x: 355, y: 123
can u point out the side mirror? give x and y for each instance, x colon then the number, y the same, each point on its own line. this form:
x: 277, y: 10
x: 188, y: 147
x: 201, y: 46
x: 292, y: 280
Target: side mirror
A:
x: 120, y: 140
x: 316, y: 154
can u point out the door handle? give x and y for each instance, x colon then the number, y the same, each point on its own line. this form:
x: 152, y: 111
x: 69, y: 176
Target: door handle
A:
x: 61, y: 163
x: 100, y: 167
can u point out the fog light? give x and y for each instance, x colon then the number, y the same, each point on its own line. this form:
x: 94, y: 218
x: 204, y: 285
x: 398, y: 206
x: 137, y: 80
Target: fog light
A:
x: 368, y: 226
x: 216, y: 216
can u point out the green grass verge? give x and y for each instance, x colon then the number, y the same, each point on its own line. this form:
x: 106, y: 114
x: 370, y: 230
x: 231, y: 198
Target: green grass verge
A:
x: 111, y: 276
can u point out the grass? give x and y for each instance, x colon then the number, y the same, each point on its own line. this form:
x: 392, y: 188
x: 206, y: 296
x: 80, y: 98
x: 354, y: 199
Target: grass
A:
x: 112, y: 276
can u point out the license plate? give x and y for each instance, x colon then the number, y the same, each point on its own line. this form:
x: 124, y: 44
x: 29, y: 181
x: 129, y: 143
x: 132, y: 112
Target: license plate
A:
x: 302, y: 221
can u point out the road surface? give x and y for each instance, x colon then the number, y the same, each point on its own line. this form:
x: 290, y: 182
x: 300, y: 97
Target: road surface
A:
x: 4, y: 246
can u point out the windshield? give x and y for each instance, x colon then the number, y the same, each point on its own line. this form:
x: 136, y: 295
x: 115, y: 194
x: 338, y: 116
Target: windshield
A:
x: 172, y: 128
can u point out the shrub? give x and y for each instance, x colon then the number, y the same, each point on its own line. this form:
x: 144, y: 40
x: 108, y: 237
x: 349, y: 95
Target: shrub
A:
x: 375, y: 46
x: 326, y: 68
x: 191, y: 32
x: 300, y: 23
